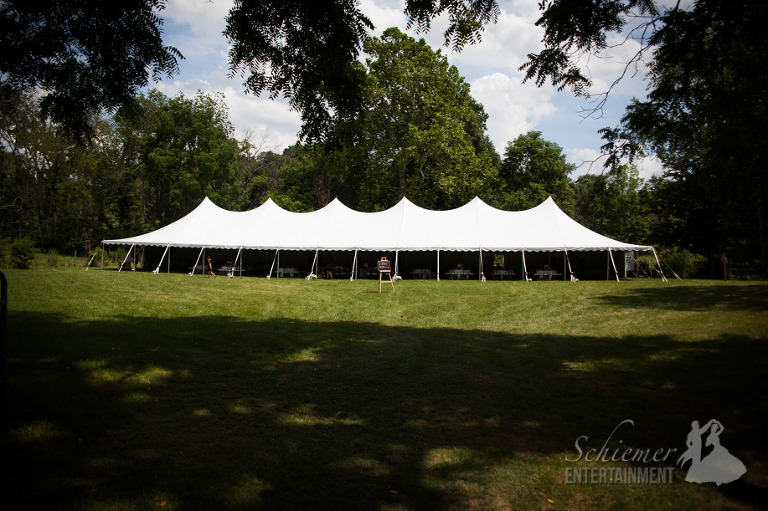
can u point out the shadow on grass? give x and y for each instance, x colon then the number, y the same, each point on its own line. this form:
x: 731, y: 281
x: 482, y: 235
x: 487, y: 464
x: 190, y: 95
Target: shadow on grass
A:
x: 694, y: 298
x: 221, y: 413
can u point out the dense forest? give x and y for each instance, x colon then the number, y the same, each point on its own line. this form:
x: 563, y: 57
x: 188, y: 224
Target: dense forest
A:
x: 417, y: 133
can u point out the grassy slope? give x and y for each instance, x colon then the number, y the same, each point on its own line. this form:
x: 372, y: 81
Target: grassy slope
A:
x: 131, y: 391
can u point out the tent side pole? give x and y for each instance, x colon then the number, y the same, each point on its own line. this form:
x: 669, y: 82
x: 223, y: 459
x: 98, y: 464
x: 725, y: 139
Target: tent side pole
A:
x: 565, y: 258
x: 438, y: 265
x: 102, y: 255
x: 397, y: 254
x: 525, y: 268
x: 234, y: 265
x: 353, y: 273
x: 613, y: 263
x: 269, y: 276
x: 157, y: 270
x: 198, y: 260
x: 661, y: 271
x: 570, y: 270
x: 481, y: 274
x: 169, y: 259
x: 126, y: 257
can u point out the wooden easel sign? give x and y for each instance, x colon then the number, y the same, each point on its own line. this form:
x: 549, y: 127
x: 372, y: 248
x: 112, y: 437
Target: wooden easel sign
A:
x: 384, y: 267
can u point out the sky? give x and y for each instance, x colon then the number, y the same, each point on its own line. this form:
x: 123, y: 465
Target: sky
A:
x: 195, y: 28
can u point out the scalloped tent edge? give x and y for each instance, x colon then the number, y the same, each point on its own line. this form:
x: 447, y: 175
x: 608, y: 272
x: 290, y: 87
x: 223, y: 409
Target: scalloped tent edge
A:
x: 473, y: 227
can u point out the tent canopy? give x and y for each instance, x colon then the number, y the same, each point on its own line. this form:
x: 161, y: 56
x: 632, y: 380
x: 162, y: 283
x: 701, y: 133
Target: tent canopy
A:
x: 405, y: 227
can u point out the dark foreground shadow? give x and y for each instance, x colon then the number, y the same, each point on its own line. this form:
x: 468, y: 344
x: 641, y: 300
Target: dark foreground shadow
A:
x: 221, y: 413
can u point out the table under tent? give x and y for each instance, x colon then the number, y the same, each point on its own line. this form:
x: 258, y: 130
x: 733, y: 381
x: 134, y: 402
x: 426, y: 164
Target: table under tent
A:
x: 474, y: 241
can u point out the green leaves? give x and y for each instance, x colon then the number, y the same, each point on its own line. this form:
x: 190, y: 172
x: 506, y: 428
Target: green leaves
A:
x: 419, y: 134
x: 533, y: 169
x: 86, y: 56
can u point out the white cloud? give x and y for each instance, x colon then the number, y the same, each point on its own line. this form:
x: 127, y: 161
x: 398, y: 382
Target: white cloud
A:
x: 203, y: 18
x: 384, y: 14
x: 512, y: 108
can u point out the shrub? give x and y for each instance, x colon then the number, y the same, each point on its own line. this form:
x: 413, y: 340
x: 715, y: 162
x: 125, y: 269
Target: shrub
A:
x: 684, y: 262
x: 22, y: 252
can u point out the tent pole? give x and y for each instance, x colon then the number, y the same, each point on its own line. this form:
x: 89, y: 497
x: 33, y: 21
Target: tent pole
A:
x: 481, y: 275
x: 161, y: 260
x: 525, y: 268
x: 198, y: 260
x: 126, y: 257
x: 354, y: 267
x: 438, y: 265
x: 570, y: 270
x: 241, y: 264
x: 269, y: 276
x: 89, y: 262
x: 613, y: 263
x: 397, y: 253
x: 565, y: 257
x: 102, y: 255
x: 234, y: 265
x: 169, y: 259
x: 315, y: 261
x: 661, y: 271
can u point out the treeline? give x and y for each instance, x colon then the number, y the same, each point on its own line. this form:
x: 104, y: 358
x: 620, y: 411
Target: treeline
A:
x: 418, y: 134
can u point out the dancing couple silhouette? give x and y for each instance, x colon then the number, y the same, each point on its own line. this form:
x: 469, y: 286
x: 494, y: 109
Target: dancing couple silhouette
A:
x: 718, y: 466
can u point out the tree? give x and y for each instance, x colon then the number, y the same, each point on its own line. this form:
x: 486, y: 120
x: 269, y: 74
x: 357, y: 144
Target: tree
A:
x: 186, y: 154
x: 705, y: 118
x: 614, y: 204
x: 94, y: 56
x: 706, y: 107
x: 84, y: 57
x: 419, y: 133
x: 534, y: 169
x: 308, y: 50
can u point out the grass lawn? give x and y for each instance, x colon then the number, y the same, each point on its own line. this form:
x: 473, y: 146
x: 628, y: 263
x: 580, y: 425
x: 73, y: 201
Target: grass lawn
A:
x: 139, y: 391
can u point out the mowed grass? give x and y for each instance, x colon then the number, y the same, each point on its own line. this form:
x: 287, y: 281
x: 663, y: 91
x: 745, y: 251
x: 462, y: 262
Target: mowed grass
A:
x: 139, y: 391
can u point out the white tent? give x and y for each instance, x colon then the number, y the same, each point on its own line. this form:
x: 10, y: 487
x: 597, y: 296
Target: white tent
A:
x: 475, y: 227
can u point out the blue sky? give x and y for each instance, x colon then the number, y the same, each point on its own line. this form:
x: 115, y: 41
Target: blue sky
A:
x: 491, y: 68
